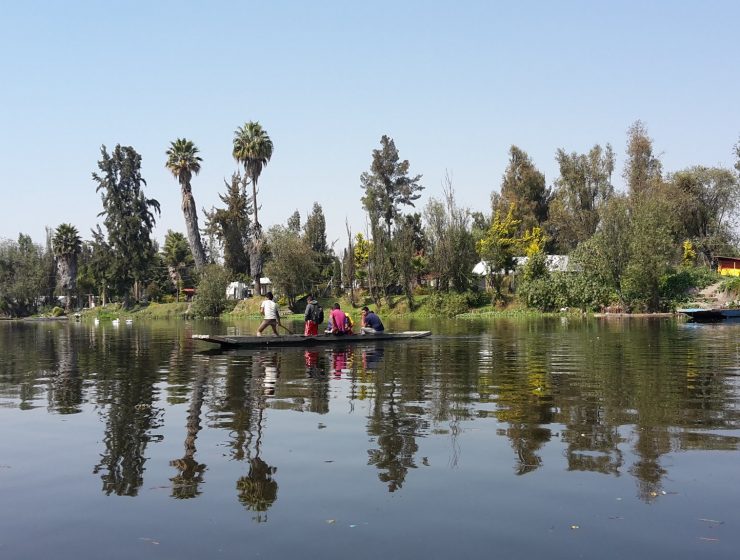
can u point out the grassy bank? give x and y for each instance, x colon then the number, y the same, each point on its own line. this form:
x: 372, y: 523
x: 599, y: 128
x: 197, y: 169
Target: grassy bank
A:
x: 142, y: 311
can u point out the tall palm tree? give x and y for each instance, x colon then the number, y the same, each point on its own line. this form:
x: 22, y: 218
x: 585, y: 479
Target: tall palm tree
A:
x: 66, y: 245
x: 253, y: 149
x: 183, y: 161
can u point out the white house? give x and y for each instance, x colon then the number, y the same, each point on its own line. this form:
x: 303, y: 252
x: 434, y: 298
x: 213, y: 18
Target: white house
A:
x: 236, y: 290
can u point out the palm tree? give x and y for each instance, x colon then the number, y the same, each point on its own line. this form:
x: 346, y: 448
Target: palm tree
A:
x: 66, y: 245
x: 177, y: 256
x: 253, y: 149
x: 183, y: 161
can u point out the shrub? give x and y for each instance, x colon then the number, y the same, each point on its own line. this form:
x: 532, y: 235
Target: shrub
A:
x: 57, y: 312
x: 675, y: 287
x: 210, y: 300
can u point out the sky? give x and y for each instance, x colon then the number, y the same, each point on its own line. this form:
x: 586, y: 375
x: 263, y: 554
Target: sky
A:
x: 455, y: 84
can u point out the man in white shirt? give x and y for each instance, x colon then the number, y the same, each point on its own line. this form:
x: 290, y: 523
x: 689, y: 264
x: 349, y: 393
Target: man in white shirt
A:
x: 271, y: 313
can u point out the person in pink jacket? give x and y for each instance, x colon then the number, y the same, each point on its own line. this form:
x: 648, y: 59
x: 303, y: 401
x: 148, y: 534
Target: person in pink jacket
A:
x: 338, y: 320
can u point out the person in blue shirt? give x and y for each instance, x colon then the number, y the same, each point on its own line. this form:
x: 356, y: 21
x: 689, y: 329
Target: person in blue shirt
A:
x: 370, y: 323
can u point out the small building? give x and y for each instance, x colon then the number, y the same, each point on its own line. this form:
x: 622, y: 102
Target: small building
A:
x: 237, y: 290
x: 728, y: 266
x: 265, y: 286
x: 555, y: 263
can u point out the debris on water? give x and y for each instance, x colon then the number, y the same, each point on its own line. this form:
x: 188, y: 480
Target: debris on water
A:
x: 331, y: 521
x: 710, y: 539
x: 321, y: 426
x: 619, y: 499
x: 574, y: 527
x: 352, y: 526
x: 329, y: 461
x: 149, y: 540
x: 616, y: 517
x: 712, y: 521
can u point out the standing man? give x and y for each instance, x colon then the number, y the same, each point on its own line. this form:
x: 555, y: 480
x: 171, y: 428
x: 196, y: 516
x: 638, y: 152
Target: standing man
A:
x: 271, y: 313
x: 313, y: 316
x: 370, y: 323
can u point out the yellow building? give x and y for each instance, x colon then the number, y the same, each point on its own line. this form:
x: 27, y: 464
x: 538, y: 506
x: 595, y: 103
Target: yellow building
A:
x: 728, y: 266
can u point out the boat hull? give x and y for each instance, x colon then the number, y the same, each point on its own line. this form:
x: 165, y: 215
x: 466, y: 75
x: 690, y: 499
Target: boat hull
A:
x: 709, y: 315
x: 243, y: 341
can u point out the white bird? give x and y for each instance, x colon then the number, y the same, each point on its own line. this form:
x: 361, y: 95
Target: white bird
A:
x: 96, y: 321
x: 129, y: 321
x: 116, y: 322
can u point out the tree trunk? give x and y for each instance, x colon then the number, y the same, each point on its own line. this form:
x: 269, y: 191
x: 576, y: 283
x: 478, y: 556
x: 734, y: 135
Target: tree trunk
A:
x: 191, y: 223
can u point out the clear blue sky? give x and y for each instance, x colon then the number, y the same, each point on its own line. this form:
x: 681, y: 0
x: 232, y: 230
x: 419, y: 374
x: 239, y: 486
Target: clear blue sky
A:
x: 454, y: 83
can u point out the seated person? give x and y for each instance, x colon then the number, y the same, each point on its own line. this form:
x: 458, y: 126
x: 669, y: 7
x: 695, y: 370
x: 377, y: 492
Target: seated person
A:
x: 338, y: 320
x: 370, y: 323
x: 349, y: 324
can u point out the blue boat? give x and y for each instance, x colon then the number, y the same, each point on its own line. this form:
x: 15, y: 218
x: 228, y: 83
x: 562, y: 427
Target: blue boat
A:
x: 706, y: 315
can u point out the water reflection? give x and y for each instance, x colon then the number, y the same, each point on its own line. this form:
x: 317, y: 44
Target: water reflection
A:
x: 617, y: 397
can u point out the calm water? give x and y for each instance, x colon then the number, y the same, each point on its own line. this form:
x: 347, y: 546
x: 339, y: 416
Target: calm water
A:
x: 504, y: 439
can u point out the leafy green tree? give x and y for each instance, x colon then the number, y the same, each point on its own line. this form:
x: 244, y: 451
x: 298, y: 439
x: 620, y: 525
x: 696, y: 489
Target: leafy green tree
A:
x: 129, y: 216
x: 294, y: 222
x: 653, y: 249
x: 293, y: 265
x: 102, y: 264
x: 497, y: 248
x: 361, y: 253
x: 24, y: 277
x: 388, y: 186
x: 314, y: 230
x: 449, y: 241
x: 178, y: 258
x: 253, y: 148
x: 643, y: 169
x: 583, y: 187
x: 183, y: 161
x: 404, y: 249
x: 604, y: 257
x: 524, y: 187
x: 708, y: 199
x: 231, y: 225
x: 210, y: 299
x: 66, y: 245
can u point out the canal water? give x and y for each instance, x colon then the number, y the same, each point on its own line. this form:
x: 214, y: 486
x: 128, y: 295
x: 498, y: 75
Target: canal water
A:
x: 557, y: 438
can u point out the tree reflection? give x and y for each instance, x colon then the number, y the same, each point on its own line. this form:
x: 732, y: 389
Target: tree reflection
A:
x: 127, y: 395
x: 257, y: 491
x: 186, y: 483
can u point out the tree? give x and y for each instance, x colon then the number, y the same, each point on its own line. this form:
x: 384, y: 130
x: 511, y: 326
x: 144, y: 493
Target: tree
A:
x: 449, y: 241
x: 388, y: 185
x: 183, y: 161
x: 292, y: 269
x: 708, y: 199
x: 253, y: 149
x: 231, y: 225
x: 497, y: 248
x: 643, y: 169
x: 210, y: 300
x: 348, y: 264
x: 314, y: 230
x: 583, y: 187
x: 66, y: 245
x: 177, y: 257
x: 101, y: 264
x: 606, y: 255
x: 129, y: 215
x: 294, y: 222
x: 24, y: 277
x: 523, y: 186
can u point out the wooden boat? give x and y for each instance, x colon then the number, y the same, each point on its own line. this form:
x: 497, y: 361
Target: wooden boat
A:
x: 252, y: 341
x: 706, y: 315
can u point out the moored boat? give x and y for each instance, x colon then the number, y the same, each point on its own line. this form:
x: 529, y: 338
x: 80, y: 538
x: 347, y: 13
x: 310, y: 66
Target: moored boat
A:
x: 252, y: 341
x: 716, y: 314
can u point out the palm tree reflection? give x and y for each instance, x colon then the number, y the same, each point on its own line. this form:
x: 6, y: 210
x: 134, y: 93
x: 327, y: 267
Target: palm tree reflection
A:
x: 257, y: 491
